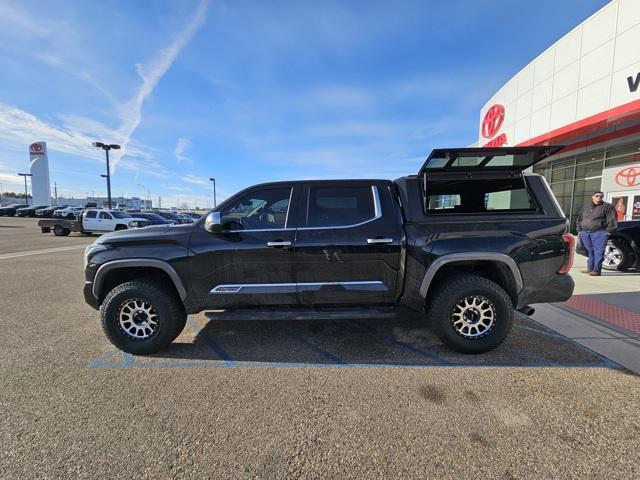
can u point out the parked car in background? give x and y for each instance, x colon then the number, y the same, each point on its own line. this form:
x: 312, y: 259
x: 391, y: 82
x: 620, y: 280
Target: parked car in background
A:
x: 195, y: 216
x: 623, y: 248
x: 186, y: 218
x: 154, y: 218
x: 10, y: 210
x: 68, y: 212
x: 29, y: 211
x: 170, y: 216
x: 48, y: 211
x: 93, y: 220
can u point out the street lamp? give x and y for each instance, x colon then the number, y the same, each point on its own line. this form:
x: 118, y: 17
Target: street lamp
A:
x: 106, y: 148
x: 25, y: 175
x: 145, y: 199
x: 214, y: 192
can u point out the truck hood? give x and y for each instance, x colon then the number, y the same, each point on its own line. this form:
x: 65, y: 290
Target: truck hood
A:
x: 152, y: 235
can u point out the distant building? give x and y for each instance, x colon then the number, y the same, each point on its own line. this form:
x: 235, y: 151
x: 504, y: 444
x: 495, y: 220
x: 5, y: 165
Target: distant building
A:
x: 133, y: 202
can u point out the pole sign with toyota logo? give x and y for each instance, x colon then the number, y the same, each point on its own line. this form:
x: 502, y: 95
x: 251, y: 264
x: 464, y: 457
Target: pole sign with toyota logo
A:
x: 39, y: 167
x: 38, y: 149
x: 621, y: 178
x: 491, y: 123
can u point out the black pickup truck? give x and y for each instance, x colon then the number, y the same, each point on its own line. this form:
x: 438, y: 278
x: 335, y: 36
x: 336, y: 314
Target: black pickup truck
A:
x: 468, y: 240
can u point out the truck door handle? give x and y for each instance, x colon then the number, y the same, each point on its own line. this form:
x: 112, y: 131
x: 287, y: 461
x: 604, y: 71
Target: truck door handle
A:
x: 379, y: 240
x: 279, y: 244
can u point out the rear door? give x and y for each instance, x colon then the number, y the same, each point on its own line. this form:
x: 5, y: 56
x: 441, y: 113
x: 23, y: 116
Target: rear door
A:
x: 348, y: 244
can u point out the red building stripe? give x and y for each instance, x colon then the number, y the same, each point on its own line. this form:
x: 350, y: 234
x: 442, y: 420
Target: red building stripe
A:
x: 600, y: 121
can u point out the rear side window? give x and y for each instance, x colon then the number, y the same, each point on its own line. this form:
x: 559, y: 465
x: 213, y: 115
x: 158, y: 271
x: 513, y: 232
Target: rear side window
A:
x: 91, y: 214
x: 340, y: 206
x: 479, y: 196
x: 105, y: 215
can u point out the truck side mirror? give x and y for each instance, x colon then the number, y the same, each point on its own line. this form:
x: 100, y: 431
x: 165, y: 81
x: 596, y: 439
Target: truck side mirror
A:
x: 213, y: 223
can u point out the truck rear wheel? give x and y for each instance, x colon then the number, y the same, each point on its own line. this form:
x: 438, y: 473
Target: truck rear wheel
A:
x: 142, y: 317
x: 471, y: 314
x: 60, y: 231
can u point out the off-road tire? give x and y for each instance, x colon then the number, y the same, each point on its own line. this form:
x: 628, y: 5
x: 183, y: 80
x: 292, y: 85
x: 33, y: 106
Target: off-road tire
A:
x: 171, y: 316
x: 628, y: 258
x: 444, y: 299
x: 60, y: 231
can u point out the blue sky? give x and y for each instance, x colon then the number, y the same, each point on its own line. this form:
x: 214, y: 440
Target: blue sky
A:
x: 254, y: 91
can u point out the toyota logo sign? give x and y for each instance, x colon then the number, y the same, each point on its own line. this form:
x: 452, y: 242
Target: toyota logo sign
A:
x: 628, y: 177
x: 492, y: 120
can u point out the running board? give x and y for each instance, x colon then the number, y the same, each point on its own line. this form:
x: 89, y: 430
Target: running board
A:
x: 302, y: 314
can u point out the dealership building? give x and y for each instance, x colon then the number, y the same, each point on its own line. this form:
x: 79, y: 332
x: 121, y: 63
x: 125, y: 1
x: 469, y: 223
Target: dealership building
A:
x: 583, y: 92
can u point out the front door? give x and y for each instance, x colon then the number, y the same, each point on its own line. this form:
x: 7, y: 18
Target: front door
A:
x: 90, y: 221
x: 348, y: 244
x: 105, y: 222
x: 251, y: 262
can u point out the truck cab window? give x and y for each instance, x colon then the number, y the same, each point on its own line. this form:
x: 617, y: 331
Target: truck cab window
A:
x: 340, y: 206
x: 104, y: 216
x: 91, y: 214
x: 258, y: 210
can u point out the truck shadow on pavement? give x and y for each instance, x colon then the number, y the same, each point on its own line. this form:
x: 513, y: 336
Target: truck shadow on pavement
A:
x: 397, y: 342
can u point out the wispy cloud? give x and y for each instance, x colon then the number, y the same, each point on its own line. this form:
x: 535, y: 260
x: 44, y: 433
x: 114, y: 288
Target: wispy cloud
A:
x: 20, y: 127
x: 151, y: 73
x: 181, y: 148
x: 195, y: 180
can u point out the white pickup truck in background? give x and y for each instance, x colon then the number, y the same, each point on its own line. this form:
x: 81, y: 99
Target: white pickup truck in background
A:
x: 93, y: 220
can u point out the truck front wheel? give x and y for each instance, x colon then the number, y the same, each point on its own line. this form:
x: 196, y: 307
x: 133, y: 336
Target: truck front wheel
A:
x: 142, y: 317
x: 471, y: 314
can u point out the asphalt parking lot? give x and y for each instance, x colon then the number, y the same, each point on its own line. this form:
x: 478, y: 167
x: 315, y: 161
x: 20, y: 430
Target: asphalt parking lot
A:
x: 360, y: 398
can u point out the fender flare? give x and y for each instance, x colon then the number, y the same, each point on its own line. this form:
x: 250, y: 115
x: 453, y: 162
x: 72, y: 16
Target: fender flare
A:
x: 137, y: 262
x: 466, y: 256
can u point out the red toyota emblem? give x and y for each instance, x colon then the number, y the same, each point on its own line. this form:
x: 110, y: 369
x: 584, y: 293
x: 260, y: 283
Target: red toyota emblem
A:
x: 36, y: 147
x: 492, y: 120
x: 629, y: 177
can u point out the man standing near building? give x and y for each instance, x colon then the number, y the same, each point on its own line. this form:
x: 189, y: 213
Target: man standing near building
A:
x: 594, y: 224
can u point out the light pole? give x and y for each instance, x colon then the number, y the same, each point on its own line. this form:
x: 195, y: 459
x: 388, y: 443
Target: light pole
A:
x: 145, y: 199
x: 26, y: 198
x: 106, y: 148
x: 214, y: 192
x: 108, y: 189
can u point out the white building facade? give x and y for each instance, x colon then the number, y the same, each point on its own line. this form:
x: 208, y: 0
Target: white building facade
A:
x: 583, y: 92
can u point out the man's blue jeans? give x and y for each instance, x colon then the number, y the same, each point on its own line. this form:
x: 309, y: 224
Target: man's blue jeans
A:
x: 594, y: 243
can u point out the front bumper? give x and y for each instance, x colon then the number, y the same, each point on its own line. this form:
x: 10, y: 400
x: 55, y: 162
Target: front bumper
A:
x: 558, y: 288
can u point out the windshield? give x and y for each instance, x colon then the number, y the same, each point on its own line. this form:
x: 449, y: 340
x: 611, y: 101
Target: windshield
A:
x: 120, y: 215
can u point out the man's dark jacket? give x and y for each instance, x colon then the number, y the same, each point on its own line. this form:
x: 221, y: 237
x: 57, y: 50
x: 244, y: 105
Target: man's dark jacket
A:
x: 593, y: 218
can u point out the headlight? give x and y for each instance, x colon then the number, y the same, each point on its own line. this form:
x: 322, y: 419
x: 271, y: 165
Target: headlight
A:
x: 91, y: 250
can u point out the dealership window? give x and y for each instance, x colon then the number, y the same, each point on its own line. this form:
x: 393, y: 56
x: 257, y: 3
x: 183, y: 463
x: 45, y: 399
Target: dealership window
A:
x: 573, y: 179
x: 622, y: 156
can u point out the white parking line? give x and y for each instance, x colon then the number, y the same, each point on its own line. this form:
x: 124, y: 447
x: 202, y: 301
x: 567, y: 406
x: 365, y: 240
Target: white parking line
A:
x: 6, y: 256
